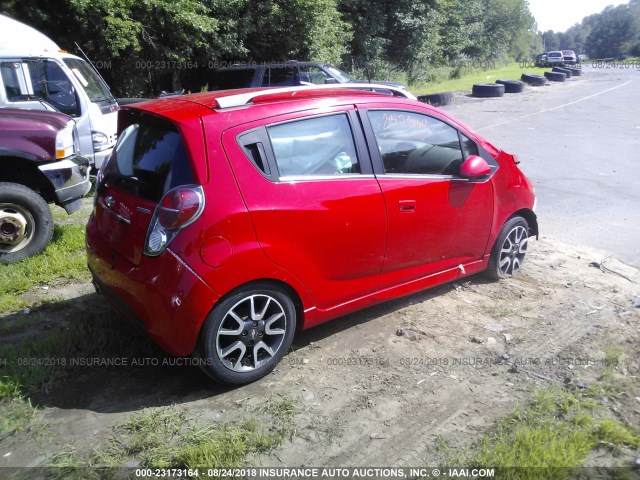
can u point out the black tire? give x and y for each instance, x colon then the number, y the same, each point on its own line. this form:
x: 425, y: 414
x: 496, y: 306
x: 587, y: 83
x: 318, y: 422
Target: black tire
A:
x: 533, y: 80
x: 437, y: 99
x: 511, y: 86
x: 275, y: 304
x: 555, y: 76
x: 486, y: 90
x: 26, y: 223
x: 576, y: 72
x: 566, y: 71
x: 514, y: 236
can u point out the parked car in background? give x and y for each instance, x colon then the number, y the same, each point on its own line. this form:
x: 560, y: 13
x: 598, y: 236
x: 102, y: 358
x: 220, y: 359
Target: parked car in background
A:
x: 226, y: 221
x: 555, y: 59
x: 541, y: 60
x: 282, y: 74
x: 569, y: 57
x: 39, y: 164
x: 36, y: 74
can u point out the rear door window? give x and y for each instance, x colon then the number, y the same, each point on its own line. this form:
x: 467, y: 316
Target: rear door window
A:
x: 281, y: 77
x: 11, y: 78
x: 149, y: 159
x: 230, y: 79
x: 315, y: 146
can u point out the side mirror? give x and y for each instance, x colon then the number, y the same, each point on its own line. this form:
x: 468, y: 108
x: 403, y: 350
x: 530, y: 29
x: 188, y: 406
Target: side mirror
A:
x: 330, y: 81
x: 474, y: 167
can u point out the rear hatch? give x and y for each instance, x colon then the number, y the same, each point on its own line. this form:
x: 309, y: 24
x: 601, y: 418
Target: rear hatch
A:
x: 149, y: 159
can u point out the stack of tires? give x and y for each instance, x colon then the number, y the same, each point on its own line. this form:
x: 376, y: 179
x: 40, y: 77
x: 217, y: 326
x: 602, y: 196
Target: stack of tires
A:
x: 555, y: 76
x: 533, y: 80
x: 566, y: 71
x: 437, y: 99
x: 498, y: 89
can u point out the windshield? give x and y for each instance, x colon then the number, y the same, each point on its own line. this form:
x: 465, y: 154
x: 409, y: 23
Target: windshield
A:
x: 339, y: 74
x: 95, y: 87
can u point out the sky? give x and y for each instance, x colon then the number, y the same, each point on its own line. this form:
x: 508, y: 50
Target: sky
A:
x: 559, y: 15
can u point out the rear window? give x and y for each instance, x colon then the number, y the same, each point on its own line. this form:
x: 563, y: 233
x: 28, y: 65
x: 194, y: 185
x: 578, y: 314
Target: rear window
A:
x: 280, y: 77
x: 149, y: 159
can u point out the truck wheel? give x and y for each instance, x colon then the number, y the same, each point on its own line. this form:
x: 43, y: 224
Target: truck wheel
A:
x: 26, y: 223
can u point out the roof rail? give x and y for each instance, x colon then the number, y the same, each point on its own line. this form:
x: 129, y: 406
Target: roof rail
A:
x: 241, y: 99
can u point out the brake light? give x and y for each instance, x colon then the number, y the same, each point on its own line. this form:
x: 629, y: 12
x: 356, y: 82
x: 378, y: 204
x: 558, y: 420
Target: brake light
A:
x: 177, y: 209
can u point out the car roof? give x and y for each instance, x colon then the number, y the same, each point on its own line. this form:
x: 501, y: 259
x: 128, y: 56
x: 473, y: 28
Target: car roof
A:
x: 226, y: 100
x: 283, y: 64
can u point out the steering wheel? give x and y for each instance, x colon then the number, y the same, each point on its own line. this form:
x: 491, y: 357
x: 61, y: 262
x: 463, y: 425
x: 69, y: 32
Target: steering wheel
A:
x: 65, y: 95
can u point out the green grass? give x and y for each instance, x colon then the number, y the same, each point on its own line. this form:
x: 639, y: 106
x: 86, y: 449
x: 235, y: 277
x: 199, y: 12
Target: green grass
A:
x: 546, y: 438
x: 171, y: 437
x: 510, y: 72
x: 50, y: 356
x: 63, y: 261
x: 555, y: 431
x: 15, y: 416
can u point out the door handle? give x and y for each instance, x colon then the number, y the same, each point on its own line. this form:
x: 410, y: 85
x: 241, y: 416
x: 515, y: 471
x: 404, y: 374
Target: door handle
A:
x: 407, y: 206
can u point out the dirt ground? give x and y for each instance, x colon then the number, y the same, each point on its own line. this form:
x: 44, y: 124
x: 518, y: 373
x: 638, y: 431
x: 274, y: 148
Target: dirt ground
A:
x: 385, y: 386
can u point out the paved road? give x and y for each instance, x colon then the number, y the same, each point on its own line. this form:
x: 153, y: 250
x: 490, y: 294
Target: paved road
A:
x: 579, y: 142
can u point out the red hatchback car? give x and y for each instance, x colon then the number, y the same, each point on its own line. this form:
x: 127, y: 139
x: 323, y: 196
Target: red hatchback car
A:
x: 225, y: 221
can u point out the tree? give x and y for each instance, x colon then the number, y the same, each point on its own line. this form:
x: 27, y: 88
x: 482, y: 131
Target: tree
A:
x: 615, y: 32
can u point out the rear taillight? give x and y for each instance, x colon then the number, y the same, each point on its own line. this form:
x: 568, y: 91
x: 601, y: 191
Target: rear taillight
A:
x: 178, y: 208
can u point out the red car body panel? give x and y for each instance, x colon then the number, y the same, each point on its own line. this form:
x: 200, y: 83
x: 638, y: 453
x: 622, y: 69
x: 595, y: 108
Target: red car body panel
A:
x: 338, y: 245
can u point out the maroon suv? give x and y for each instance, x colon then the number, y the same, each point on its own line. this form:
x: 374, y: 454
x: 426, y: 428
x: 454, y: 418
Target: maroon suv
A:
x: 39, y: 164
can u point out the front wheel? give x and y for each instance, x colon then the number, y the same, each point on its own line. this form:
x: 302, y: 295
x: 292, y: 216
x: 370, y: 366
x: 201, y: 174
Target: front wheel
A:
x: 247, y: 334
x: 26, y: 223
x: 509, y: 250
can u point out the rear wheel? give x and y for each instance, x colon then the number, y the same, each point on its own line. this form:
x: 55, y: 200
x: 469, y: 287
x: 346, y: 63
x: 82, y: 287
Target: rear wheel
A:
x: 247, y: 334
x: 509, y: 250
x: 26, y: 223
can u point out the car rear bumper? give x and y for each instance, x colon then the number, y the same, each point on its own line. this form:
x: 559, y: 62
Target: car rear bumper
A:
x: 70, y: 179
x: 162, y: 295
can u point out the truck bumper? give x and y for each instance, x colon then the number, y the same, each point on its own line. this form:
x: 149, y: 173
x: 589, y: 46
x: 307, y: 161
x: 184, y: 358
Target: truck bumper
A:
x: 100, y: 157
x: 70, y: 178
